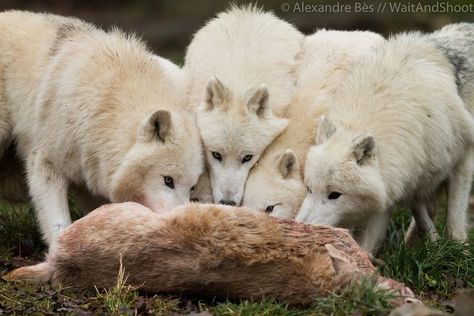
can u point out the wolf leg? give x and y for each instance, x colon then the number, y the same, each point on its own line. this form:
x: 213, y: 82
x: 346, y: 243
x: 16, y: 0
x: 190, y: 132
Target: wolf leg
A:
x: 459, y: 187
x: 374, y: 232
x: 48, y: 190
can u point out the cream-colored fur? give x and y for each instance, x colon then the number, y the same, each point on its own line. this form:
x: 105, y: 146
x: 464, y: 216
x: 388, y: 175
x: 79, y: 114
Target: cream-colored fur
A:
x: 456, y: 41
x: 396, y: 131
x: 95, y: 109
x: 5, y: 121
x: 251, y: 57
x: 275, y: 184
x: 202, y: 191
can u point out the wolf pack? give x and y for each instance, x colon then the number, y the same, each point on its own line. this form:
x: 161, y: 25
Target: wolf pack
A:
x: 335, y: 128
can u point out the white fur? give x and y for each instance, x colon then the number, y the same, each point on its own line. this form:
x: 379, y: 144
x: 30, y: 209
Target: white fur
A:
x: 401, y: 129
x: 85, y: 106
x: 456, y: 41
x: 202, y: 191
x: 327, y: 58
x: 252, y: 56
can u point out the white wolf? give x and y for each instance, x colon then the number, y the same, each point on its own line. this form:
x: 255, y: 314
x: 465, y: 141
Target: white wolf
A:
x: 251, y: 57
x: 456, y: 41
x: 395, y: 132
x: 275, y: 185
x: 98, y: 110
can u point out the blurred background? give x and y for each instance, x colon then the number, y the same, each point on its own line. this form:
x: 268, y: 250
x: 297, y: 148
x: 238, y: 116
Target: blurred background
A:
x: 168, y: 25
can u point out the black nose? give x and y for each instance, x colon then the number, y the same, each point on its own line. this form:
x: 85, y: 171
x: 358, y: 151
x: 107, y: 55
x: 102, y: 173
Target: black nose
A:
x: 232, y: 203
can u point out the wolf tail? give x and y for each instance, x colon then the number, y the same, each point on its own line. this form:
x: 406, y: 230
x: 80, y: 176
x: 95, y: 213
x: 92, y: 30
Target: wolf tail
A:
x: 39, y: 274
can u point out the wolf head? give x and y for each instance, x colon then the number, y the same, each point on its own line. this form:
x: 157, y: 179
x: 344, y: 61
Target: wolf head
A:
x: 342, y: 178
x: 235, y: 131
x: 276, y: 186
x: 164, y: 163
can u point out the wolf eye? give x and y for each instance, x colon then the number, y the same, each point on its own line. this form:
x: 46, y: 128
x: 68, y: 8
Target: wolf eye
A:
x: 309, y: 189
x: 247, y: 158
x: 217, y: 155
x: 334, y: 195
x: 169, y: 182
x: 193, y: 188
x: 269, y: 209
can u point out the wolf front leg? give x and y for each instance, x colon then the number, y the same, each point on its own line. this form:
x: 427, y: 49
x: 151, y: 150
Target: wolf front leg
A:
x: 372, y: 235
x: 459, y: 188
x: 49, y: 189
x: 422, y: 223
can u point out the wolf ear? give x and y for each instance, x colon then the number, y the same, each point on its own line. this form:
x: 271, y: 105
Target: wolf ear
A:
x: 363, y: 148
x: 258, y: 101
x: 340, y: 260
x: 325, y: 129
x: 216, y: 94
x: 288, y: 165
x: 157, y: 125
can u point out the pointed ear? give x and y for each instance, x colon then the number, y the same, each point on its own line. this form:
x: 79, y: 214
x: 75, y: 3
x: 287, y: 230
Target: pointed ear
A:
x: 340, y: 260
x: 157, y: 126
x: 258, y: 101
x: 363, y: 148
x: 288, y: 165
x: 325, y: 129
x: 216, y: 94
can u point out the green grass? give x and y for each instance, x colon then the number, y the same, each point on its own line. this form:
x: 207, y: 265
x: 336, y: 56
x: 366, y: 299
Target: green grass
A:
x: 19, y: 234
x: 360, y: 298
x: 434, y: 270
x: 19, y: 299
x: 440, y: 266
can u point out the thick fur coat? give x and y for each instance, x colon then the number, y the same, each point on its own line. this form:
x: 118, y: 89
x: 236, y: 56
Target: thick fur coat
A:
x: 397, y: 130
x: 241, y: 68
x: 94, y: 109
x: 456, y: 41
